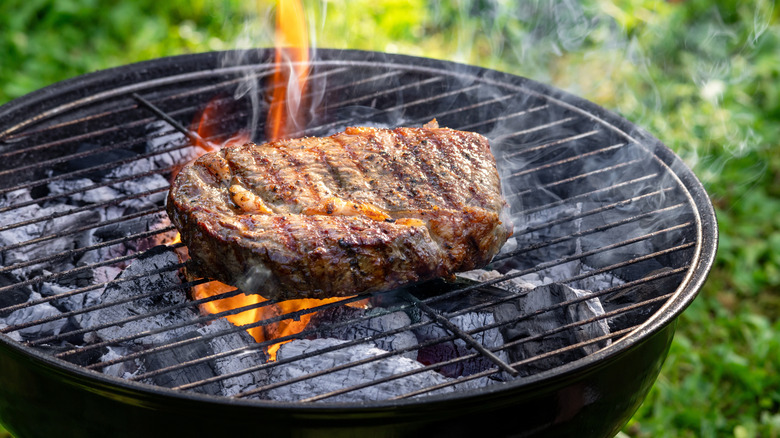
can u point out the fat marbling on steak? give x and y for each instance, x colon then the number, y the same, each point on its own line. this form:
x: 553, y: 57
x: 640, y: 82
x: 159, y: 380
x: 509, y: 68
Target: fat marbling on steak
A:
x: 363, y: 210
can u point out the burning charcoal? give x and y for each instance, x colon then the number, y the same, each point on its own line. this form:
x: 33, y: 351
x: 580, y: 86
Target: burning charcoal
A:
x: 445, y: 351
x: 93, y: 196
x: 125, y: 369
x: 40, y: 228
x: 203, y: 346
x: 153, y: 270
x: 35, y: 313
x: 161, y: 136
x: 369, y: 372
x: 194, y: 350
x: 235, y: 362
x: 13, y: 296
x: 374, y: 326
x: 546, y: 297
x: 637, y: 294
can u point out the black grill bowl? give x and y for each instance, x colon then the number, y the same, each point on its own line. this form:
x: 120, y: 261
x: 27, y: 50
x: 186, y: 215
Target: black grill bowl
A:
x: 595, y: 395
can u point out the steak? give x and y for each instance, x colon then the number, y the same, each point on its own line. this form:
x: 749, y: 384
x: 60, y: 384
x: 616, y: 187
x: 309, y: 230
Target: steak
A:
x: 363, y: 210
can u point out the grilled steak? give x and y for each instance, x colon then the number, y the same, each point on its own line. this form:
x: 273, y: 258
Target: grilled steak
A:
x: 363, y: 210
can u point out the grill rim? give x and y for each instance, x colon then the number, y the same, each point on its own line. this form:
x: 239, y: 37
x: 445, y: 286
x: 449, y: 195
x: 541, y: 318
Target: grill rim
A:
x: 706, y: 225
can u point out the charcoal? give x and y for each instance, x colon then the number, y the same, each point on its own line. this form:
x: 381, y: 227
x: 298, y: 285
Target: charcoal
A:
x: 37, y: 229
x: 381, y: 323
x: 161, y: 136
x: 237, y: 362
x: 35, y: 313
x: 546, y: 296
x: 193, y: 373
x: 92, y: 196
x: 160, y: 258
x: 444, y: 351
x: 11, y: 297
x: 359, y: 374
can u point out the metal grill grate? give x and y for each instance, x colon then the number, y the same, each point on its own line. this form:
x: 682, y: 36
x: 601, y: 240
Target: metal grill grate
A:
x: 82, y: 202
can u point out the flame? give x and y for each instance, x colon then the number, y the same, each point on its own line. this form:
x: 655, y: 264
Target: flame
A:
x: 288, y: 85
x: 292, y: 70
x: 264, y: 332
x: 207, y: 126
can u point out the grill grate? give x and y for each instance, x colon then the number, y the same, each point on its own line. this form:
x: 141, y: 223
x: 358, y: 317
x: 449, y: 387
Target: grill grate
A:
x: 581, y: 192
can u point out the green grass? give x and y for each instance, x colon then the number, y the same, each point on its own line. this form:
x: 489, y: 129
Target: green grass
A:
x: 702, y: 76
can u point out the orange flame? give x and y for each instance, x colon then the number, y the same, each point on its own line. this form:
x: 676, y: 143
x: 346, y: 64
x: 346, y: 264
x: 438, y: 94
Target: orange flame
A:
x: 292, y: 70
x: 288, y: 86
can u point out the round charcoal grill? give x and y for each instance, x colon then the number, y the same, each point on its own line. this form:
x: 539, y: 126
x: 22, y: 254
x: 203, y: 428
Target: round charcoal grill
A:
x: 562, y: 334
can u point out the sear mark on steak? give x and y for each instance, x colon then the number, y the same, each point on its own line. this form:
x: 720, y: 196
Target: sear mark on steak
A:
x: 363, y: 210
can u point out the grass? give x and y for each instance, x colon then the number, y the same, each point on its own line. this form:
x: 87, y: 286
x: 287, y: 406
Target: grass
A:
x: 702, y: 76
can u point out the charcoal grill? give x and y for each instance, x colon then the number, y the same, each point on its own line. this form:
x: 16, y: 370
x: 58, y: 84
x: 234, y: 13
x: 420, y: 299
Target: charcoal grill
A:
x: 606, y: 217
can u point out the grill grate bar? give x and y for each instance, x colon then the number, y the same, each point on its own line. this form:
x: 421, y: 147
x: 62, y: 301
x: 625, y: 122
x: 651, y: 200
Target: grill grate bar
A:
x: 562, y: 260
x: 536, y: 128
x: 108, y: 183
x: 582, y: 176
x: 624, y: 221
x: 305, y: 333
x: 117, y: 220
x: 57, y: 275
x: 610, y: 291
x: 103, y: 305
x: 97, y: 168
x: 489, y: 372
x: 568, y: 218
x: 171, y: 121
x: 558, y: 142
x: 73, y: 252
x: 188, y: 303
x: 456, y: 360
x: 89, y: 207
x: 573, y: 159
x: 493, y: 101
x: 524, y: 112
x: 119, y: 109
x: 454, y: 329
x: 354, y: 342
x: 75, y: 292
x: 586, y: 195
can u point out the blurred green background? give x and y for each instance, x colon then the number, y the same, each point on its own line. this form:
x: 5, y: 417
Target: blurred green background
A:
x: 702, y: 76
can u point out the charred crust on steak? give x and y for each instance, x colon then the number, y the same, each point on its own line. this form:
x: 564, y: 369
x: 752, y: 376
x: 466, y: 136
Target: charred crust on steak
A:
x: 363, y: 210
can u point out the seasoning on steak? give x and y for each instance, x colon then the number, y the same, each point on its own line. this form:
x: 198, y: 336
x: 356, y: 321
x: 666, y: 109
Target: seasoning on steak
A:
x: 363, y: 210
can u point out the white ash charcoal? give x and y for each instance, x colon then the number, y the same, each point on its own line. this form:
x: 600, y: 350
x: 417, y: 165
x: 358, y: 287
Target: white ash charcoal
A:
x: 13, y: 335
x: 154, y: 274
x: 139, y: 185
x: 376, y: 326
x: 35, y: 313
x: 444, y: 351
x: 125, y: 369
x: 359, y: 374
x: 92, y: 196
x: 235, y: 362
x: 38, y: 229
x: 157, y: 360
x: 74, y: 302
x: 513, y: 285
x: 202, y: 346
x: 13, y: 296
x: 161, y: 136
x: 547, y: 297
